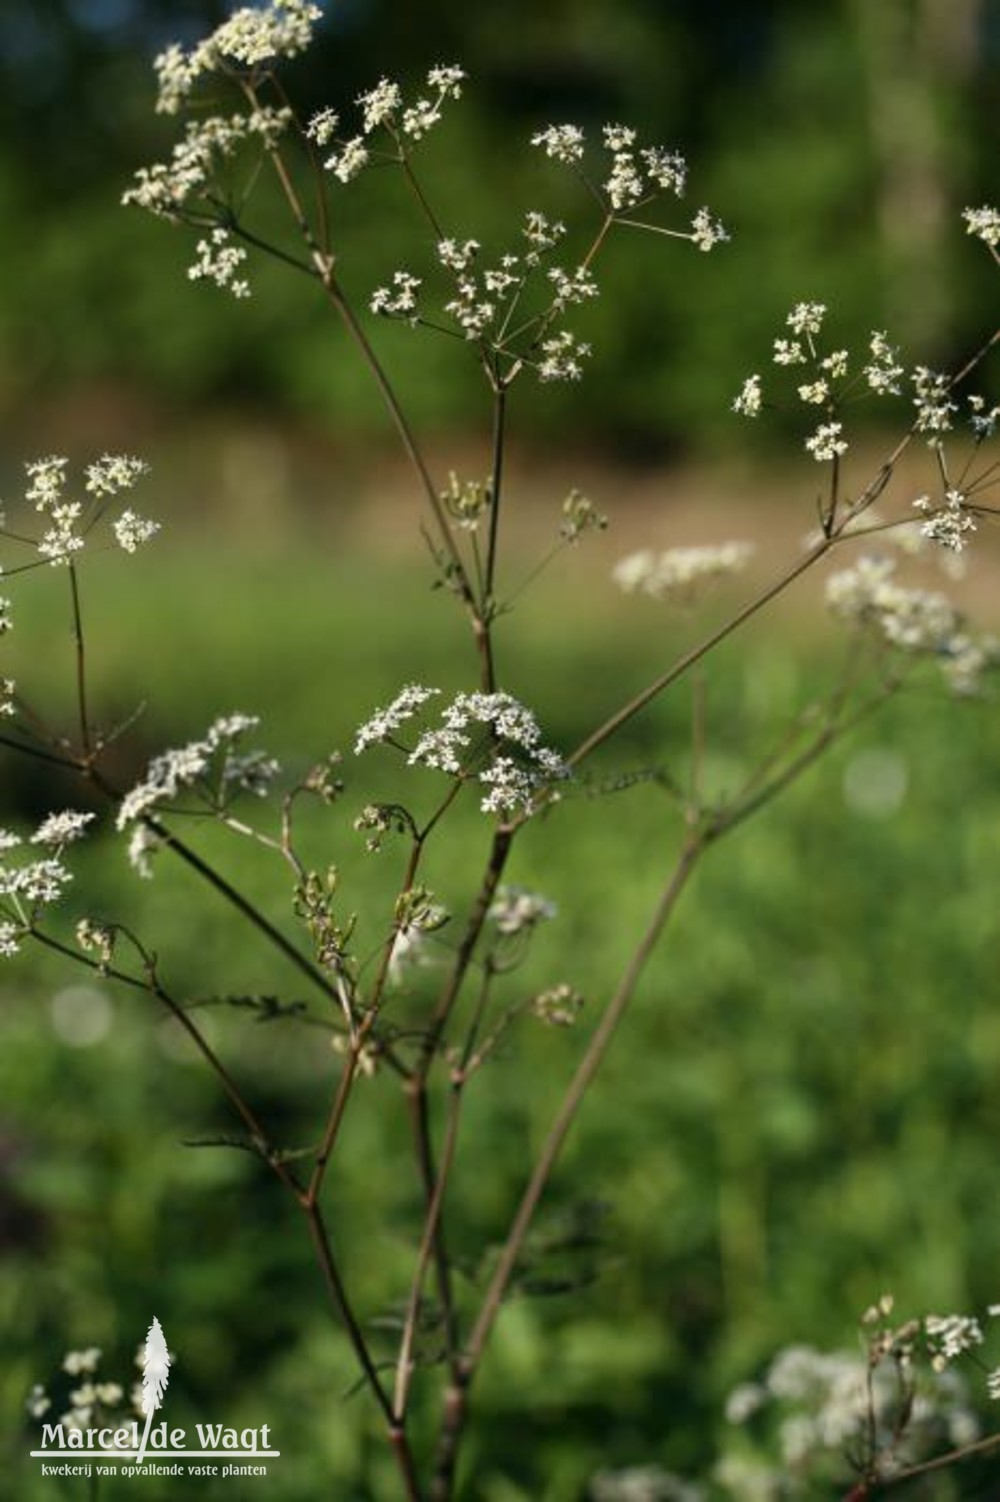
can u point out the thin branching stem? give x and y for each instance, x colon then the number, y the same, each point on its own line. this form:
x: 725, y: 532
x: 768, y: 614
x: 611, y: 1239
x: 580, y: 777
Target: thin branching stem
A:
x: 338, y: 1297
x: 629, y: 710
x: 583, y: 1077
x: 487, y: 604
x: 496, y: 484
x: 436, y: 1186
x: 909, y: 1473
x: 431, y: 1248
x: 38, y: 753
x: 335, y: 1118
x: 243, y: 905
x: 339, y: 301
x: 432, y: 1185
x: 417, y: 1085
x: 835, y: 728
x: 81, y: 664
x: 275, y: 251
x: 456, y: 1399
x: 419, y: 193
x: 497, y: 860
x: 324, y: 263
x: 151, y: 984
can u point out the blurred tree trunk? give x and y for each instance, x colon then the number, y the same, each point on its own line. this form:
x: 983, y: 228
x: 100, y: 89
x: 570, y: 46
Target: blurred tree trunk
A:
x: 919, y: 59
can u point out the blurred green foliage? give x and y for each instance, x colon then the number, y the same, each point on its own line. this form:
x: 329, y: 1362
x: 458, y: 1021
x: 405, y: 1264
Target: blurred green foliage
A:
x: 838, y: 140
x: 800, y: 1113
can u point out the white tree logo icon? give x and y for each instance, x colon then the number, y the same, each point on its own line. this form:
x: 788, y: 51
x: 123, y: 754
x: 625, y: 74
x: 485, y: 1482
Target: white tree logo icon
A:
x: 155, y: 1376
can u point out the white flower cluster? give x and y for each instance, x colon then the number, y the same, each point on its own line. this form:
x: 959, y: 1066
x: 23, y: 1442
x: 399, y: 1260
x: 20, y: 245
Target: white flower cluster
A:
x: 27, y: 887
x: 788, y: 352
x: 165, y: 188
x: 467, y: 501
x: 830, y: 1405
x: 707, y: 232
x: 457, y: 255
x: 514, y: 910
x: 807, y: 318
x: 949, y: 524
x: 61, y: 829
x: 517, y: 763
x: 883, y: 371
x: 47, y: 476
x: 93, y: 1402
x: 399, y: 300
x: 473, y: 309
x: 142, y: 846
x: 827, y: 442
x: 983, y: 223
x: 322, y: 126
x: 647, y: 1483
x: 950, y: 1335
x: 983, y: 421
x: 562, y: 357
x: 48, y: 479
x: 917, y: 620
x: 212, y: 766
x: 383, y: 107
x: 485, y: 298
x: 913, y: 620
x: 352, y: 158
x: 113, y: 473
x: 637, y: 174
x: 218, y: 260
x: 571, y: 287
x: 385, y: 722
x: 509, y: 760
x: 822, y: 386
x: 967, y: 660
x: 564, y: 143
x: 68, y: 520
x: 252, y: 36
x: 96, y: 938
x: 625, y: 186
x: 379, y: 104
x: 78, y: 1362
x: 748, y: 402
x: 558, y: 1006
x: 665, y: 169
x: 39, y: 885
x: 131, y: 531
x: 37, y: 1402
x: 680, y: 571
x: 932, y: 399
x: 542, y: 234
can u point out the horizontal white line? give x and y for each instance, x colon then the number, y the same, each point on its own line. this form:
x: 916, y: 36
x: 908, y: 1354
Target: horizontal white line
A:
x: 156, y: 1455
